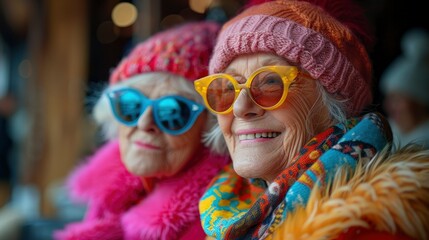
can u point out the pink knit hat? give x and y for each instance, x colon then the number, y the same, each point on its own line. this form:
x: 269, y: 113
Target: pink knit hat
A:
x: 326, y: 38
x: 184, y: 50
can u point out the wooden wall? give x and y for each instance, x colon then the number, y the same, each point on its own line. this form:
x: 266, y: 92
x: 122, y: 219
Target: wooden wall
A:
x: 58, y: 49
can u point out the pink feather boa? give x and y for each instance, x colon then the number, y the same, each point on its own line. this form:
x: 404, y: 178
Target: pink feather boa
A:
x: 120, y: 208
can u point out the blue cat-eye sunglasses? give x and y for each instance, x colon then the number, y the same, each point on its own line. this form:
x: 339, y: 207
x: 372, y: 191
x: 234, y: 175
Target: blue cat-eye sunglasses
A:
x: 173, y: 114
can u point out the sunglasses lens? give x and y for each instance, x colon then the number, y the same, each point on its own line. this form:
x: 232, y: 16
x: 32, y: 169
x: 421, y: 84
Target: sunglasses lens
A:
x: 220, y: 94
x: 127, y: 106
x: 173, y: 113
x: 267, y: 88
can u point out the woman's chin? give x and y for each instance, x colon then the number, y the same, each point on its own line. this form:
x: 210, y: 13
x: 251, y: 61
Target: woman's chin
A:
x: 246, y: 171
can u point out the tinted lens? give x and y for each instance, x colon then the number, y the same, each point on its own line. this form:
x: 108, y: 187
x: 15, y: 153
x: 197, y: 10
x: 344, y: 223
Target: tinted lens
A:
x: 267, y: 88
x: 128, y: 105
x: 173, y: 113
x: 220, y: 94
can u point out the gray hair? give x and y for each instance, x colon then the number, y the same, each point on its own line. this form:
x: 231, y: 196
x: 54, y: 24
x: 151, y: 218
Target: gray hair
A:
x: 103, y: 115
x: 336, y: 108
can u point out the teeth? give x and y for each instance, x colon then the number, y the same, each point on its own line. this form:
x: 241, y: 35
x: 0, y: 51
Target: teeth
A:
x: 258, y: 135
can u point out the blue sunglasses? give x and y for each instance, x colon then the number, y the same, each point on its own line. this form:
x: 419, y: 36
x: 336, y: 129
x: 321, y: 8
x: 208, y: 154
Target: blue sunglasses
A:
x: 173, y: 114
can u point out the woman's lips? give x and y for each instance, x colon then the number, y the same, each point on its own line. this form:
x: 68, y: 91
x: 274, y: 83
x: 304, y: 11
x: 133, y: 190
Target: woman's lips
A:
x: 144, y: 145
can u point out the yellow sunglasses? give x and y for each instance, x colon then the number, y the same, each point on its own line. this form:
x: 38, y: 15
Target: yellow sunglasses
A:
x: 267, y: 87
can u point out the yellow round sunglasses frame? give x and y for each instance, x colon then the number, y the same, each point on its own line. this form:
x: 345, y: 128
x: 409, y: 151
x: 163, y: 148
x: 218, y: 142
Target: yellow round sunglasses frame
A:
x: 287, y: 74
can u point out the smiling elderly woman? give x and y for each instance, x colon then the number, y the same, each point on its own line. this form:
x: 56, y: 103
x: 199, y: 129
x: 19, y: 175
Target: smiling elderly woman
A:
x: 289, y: 82
x: 146, y: 182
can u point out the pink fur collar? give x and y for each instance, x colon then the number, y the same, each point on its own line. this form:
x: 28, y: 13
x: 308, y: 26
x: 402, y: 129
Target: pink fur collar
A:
x: 119, y: 208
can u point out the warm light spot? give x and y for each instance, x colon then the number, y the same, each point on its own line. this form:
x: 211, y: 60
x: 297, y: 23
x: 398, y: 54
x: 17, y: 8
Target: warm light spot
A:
x: 171, y: 20
x: 124, y: 14
x: 199, y: 6
x: 25, y: 68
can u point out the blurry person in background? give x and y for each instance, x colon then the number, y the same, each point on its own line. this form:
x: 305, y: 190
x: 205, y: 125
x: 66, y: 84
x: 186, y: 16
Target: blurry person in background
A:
x: 405, y: 84
x: 145, y: 183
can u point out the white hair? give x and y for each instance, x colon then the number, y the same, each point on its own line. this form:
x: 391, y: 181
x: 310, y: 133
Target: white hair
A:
x: 336, y: 108
x: 103, y: 114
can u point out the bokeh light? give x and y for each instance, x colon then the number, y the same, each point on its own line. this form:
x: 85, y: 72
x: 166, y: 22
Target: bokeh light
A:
x: 124, y: 14
x: 199, y: 6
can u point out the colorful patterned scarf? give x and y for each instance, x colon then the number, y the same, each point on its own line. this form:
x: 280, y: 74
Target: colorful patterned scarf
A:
x: 238, y: 208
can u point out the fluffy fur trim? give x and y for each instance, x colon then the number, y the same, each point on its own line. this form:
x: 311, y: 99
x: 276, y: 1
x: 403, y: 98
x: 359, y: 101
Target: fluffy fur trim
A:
x: 106, y: 229
x: 176, y: 211
x: 104, y: 182
x: 119, y: 207
x: 390, y: 193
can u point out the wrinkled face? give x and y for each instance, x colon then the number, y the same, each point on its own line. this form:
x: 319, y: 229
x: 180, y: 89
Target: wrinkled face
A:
x: 263, y: 142
x: 148, y: 152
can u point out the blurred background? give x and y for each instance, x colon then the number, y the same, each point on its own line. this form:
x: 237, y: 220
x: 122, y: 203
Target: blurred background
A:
x: 55, y: 59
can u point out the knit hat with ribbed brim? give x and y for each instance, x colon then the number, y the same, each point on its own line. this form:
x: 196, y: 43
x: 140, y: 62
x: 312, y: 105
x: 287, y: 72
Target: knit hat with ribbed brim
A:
x: 326, y: 41
x: 184, y: 50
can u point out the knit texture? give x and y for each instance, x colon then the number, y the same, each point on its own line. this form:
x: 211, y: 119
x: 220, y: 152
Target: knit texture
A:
x: 306, y: 36
x: 183, y: 51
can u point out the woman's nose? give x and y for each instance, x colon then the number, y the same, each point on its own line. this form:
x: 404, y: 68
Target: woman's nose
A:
x: 146, y: 122
x: 244, y: 107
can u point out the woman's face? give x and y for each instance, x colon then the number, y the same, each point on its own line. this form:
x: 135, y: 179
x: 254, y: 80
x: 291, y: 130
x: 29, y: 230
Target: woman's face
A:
x: 147, y: 151
x: 287, y: 128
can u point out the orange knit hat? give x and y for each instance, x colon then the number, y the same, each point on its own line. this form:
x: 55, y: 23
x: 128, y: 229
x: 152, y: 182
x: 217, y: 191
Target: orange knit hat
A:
x: 329, y: 44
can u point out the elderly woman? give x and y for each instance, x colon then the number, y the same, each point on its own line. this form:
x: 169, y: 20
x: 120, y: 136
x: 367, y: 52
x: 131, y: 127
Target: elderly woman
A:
x: 146, y: 182
x: 289, y: 82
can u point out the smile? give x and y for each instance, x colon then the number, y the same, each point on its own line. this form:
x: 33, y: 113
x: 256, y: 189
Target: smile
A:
x: 252, y: 136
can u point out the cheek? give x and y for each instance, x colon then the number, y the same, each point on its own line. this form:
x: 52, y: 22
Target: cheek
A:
x: 190, y: 138
x: 182, y: 143
x: 309, y: 114
x: 297, y: 114
x: 225, y: 123
x: 293, y: 143
x: 181, y: 149
x: 302, y: 122
x: 296, y: 135
x: 124, y: 139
